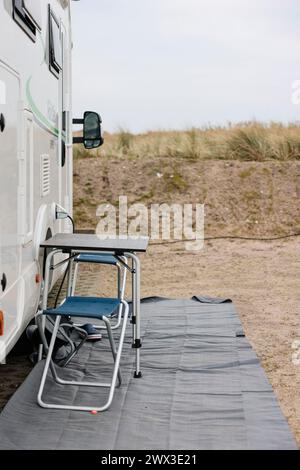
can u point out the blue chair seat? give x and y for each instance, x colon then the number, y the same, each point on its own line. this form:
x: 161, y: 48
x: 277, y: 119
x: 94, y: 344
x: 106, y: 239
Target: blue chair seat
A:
x: 87, y: 307
x: 96, y: 258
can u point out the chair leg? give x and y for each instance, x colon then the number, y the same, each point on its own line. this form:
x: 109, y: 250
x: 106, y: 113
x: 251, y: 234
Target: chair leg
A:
x: 119, y: 281
x: 118, y: 357
x: 47, y: 363
x: 111, y: 385
x: 121, y: 290
x: 44, y: 342
x: 121, y: 293
x: 112, y: 344
x: 75, y: 277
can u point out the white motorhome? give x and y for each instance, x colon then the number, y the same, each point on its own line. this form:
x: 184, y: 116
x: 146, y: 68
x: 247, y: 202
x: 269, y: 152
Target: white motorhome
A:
x: 35, y: 150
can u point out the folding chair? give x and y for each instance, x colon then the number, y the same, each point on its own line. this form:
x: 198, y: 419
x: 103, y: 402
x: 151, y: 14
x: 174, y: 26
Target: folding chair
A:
x: 109, y: 260
x: 84, y: 307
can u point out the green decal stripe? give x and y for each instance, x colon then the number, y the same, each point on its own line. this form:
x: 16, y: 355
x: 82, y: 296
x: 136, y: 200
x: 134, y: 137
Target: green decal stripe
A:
x: 38, y: 113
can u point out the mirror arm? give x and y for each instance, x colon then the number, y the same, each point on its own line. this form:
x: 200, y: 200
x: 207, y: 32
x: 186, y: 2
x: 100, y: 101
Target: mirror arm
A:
x: 78, y: 121
x: 78, y: 140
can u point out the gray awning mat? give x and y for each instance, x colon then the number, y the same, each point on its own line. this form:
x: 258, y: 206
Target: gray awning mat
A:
x: 202, y: 388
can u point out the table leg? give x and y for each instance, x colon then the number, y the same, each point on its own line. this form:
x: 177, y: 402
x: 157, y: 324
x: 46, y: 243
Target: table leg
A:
x: 136, y: 317
x: 133, y: 313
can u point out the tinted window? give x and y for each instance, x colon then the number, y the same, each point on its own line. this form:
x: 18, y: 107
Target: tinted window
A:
x: 55, y: 45
x: 33, y: 8
x: 23, y: 19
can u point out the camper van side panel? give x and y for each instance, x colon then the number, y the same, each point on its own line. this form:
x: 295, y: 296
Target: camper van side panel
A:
x: 35, y: 158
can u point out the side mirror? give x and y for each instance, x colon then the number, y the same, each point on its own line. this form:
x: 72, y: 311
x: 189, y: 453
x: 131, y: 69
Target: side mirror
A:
x: 92, y: 135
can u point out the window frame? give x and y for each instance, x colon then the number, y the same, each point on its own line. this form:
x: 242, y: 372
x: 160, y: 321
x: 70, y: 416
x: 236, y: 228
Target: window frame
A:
x: 54, y: 66
x: 23, y: 20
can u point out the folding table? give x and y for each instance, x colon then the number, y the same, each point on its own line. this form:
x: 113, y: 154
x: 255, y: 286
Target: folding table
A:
x: 119, y: 246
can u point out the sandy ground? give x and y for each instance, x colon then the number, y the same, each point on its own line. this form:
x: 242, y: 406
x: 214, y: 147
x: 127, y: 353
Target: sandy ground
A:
x: 246, y: 198
x: 257, y: 199
x: 261, y: 278
x: 263, y: 281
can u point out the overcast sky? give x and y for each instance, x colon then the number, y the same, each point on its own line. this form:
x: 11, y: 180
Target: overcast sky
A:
x: 173, y: 64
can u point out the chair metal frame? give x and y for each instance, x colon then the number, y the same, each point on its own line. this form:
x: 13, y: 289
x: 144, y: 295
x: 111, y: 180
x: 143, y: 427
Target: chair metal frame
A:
x: 120, y: 289
x: 49, y: 364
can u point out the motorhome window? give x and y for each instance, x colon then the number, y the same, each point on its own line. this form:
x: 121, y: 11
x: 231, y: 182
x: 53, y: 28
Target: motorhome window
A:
x: 33, y: 8
x: 55, y: 45
x: 23, y: 19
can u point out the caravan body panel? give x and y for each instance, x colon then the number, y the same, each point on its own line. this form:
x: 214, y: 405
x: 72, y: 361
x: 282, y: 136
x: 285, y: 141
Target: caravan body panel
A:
x: 35, y: 149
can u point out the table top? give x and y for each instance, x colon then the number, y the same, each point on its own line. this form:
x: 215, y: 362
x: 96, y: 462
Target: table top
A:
x: 86, y: 242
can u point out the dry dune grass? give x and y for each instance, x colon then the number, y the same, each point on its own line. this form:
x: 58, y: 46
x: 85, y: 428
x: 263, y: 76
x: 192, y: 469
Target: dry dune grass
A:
x: 250, y: 141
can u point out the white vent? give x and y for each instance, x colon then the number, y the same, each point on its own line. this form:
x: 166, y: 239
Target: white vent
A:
x: 45, y: 175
